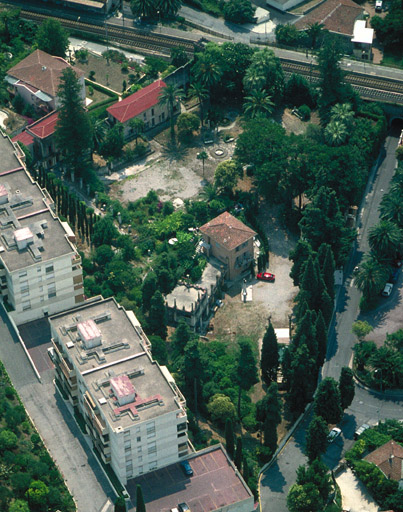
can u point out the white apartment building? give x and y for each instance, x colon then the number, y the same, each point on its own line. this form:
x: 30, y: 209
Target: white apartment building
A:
x: 133, y: 410
x: 40, y: 268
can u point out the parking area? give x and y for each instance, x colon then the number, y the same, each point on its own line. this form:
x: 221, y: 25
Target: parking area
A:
x: 355, y: 496
x: 36, y: 336
x: 214, y: 485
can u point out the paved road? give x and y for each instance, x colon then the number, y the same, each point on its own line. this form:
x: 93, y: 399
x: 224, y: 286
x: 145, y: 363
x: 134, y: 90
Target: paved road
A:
x: 56, y: 425
x: 367, y: 406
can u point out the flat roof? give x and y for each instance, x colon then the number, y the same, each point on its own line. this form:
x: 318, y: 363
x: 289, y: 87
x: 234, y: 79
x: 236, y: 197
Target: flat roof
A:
x: 8, y: 158
x: 20, y: 185
x: 124, y: 351
x: 51, y: 245
x: 215, y: 484
x: 362, y: 33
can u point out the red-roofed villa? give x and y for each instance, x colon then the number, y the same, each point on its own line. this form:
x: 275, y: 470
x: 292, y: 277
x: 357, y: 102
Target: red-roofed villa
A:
x: 143, y: 105
x: 230, y: 241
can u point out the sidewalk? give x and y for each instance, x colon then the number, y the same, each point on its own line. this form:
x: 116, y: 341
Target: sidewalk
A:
x: 355, y: 496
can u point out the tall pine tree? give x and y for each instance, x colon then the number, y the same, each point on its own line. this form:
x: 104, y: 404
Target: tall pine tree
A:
x: 346, y: 387
x: 321, y: 338
x: 229, y: 437
x: 238, y: 453
x: 140, y: 505
x: 73, y: 128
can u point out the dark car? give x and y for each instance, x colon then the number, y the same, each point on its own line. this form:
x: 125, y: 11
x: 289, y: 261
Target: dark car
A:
x: 186, y: 467
x: 394, y: 276
x: 183, y: 507
x: 266, y: 276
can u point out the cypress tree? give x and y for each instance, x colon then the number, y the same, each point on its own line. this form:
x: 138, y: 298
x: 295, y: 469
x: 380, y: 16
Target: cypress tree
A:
x: 328, y: 401
x: 270, y: 434
x: 245, y: 469
x: 229, y: 438
x: 316, y: 300
x: 306, y: 333
x: 316, y: 438
x: 140, y: 505
x: 269, y: 358
x: 346, y: 387
x: 326, y: 308
x: 120, y: 505
x: 322, y: 254
x: 309, y: 283
x: 321, y: 338
x: 238, y: 454
x: 328, y: 272
x: 286, y: 367
x: 156, y: 317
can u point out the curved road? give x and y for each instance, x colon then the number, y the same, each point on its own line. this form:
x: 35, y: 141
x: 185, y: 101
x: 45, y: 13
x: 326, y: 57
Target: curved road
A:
x: 367, y: 406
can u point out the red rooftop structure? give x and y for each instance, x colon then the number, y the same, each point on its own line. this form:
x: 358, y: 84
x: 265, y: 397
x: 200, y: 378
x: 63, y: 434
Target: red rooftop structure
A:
x: 144, y: 105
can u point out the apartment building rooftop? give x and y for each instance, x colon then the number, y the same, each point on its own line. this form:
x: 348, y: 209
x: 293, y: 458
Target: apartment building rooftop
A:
x: 31, y: 239
x: 107, y: 346
x: 8, y: 152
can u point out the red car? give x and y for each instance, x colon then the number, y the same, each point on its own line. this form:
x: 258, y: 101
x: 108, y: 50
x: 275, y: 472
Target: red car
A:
x: 266, y: 276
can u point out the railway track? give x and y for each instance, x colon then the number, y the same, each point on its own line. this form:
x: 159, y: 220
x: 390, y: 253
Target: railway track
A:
x: 357, y: 79
x: 150, y: 43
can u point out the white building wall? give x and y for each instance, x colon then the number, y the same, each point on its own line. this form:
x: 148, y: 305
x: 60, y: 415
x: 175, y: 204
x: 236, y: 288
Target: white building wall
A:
x: 34, y: 285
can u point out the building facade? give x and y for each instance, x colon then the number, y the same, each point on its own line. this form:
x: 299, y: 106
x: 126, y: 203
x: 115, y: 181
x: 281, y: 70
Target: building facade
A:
x: 40, y: 268
x: 37, y: 77
x: 362, y: 40
x: 144, y: 105
x: 132, y: 408
x: 231, y: 242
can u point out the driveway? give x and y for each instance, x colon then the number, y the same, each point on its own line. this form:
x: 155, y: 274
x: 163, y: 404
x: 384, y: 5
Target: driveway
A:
x: 355, y: 496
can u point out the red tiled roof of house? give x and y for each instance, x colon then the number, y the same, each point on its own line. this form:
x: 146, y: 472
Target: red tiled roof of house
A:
x: 336, y: 15
x: 24, y: 137
x: 389, y: 459
x: 137, y: 103
x: 42, y: 71
x: 45, y: 126
x: 228, y: 231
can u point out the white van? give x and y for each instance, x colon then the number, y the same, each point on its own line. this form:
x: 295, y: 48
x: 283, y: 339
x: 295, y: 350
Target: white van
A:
x: 378, y: 5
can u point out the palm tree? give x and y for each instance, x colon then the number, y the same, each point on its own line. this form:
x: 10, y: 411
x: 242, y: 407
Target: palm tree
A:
x: 207, y: 72
x: 385, y: 239
x: 98, y: 132
x: 258, y: 104
x: 335, y: 133
x: 371, y: 276
x: 254, y: 79
x: 198, y: 91
x: 170, y: 7
x: 209, y: 192
x: 170, y: 96
x: 342, y: 112
x: 391, y: 208
x: 202, y: 156
x: 137, y: 126
x: 314, y: 31
x: 142, y: 8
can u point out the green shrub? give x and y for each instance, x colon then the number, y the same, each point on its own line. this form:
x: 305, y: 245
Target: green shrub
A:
x: 305, y: 112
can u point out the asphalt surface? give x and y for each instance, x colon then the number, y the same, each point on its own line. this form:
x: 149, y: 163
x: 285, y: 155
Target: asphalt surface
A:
x: 368, y: 406
x: 56, y: 426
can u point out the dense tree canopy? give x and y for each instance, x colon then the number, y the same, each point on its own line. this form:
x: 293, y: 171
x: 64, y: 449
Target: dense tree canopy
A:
x: 52, y: 38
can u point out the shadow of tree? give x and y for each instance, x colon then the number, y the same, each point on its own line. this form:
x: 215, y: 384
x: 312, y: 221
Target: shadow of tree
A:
x: 174, y: 151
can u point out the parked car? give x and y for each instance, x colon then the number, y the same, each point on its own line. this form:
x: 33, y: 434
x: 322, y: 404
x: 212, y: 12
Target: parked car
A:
x: 378, y: 5
x: 360, y: 430
x: 266, y: 276
x: 174, y: 509
x: 333, y: 434
x: 183, y: 507
x: 387, y: 290
x: 186, y: 467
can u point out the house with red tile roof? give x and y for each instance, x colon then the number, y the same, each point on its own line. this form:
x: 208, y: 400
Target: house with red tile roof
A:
x: 336, y: 16
x: 143, y: 105
x: 231, y: 242
x: 389, y: 459
x: 40, y: 140
x: 37, y: 77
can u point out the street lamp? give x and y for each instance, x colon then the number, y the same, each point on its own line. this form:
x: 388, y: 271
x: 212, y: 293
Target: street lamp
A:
x: 378, y: 370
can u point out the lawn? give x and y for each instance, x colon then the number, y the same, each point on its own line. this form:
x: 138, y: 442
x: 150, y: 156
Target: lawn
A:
x: 392, y: 58
x: 109, y: 75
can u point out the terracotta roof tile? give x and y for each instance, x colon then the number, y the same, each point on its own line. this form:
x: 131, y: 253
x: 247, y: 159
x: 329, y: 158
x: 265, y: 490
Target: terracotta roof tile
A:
x: 137, y: 103
x: 389, y: 459
x: 336, y: 16
x: 228, y: 231
x: 42, y: 71
x: 24, y: 137
x: 45, y: 126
